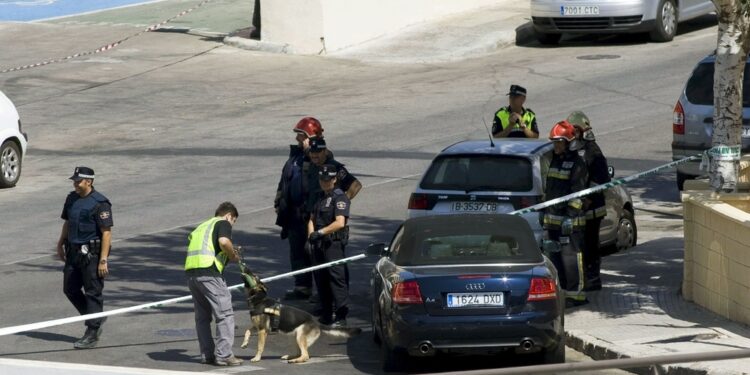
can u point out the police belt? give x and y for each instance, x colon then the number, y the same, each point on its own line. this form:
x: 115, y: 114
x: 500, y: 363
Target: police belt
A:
x: 340, y: 235
x: 94, y: 246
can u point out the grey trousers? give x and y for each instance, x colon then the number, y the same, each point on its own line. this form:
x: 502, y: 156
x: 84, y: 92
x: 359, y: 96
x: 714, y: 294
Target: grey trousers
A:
x: 212, y: 299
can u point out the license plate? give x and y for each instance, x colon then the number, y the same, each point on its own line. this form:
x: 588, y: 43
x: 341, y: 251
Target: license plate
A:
x: 475, y: 299
x: 746, y: 132
x: 474, y: 206
x: 580, y: 10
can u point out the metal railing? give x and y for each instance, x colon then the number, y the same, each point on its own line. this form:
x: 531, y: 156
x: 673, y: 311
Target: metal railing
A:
x: 623, y: 363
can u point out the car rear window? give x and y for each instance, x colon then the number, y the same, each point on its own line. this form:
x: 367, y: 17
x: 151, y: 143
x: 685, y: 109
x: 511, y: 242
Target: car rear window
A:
x: 700, y: 86
x: 479, y: 172
x: 468, y: 241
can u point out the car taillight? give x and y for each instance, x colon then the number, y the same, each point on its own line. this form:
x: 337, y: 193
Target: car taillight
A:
x: 407, y: 292
x: 542, y: 289
x: 418, y: 202
x: 678, y: 119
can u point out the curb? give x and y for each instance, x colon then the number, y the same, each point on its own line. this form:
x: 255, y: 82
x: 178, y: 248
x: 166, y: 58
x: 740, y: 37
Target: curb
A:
x: 599, y: 352
x: 257, y: 45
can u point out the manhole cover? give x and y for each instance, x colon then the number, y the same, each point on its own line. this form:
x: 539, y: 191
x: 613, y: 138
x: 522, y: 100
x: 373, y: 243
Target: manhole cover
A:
x: 598, y: 57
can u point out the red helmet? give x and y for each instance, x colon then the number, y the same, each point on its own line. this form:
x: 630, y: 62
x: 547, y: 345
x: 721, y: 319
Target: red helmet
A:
x: 562, y: 130
x: 309, y: 126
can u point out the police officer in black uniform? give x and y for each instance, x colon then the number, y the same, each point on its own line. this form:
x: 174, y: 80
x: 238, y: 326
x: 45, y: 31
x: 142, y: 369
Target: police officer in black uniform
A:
x: 328, y: 235
x: 84, y: 246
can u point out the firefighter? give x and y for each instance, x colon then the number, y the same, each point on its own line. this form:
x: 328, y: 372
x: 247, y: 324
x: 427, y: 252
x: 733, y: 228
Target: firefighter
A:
x: 564, y: 222
x: 593, y: 204
x: 291, y: 201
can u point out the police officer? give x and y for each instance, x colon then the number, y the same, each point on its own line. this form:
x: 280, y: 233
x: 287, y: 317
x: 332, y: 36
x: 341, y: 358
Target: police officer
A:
x: 208, y: 252
x: 515, y: 121
x: 291, y: 196
x: 84, y: 246
x: 593, y: 204
x: 564, y: 222
x: 319, y: 156
x: 328, y: 235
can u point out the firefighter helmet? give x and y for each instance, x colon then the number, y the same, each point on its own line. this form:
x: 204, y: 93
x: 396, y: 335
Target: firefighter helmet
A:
x: 309, y: 126
x: 563, y: 130
x: 579, y: 120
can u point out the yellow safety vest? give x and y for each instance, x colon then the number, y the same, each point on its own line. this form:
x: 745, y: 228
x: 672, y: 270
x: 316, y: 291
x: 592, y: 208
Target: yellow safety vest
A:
x: 504, y: 115
x: 201, y: 252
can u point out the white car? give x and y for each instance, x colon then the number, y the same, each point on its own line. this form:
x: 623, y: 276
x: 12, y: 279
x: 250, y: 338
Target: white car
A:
x: 12, y: 143
x: 552, y: 18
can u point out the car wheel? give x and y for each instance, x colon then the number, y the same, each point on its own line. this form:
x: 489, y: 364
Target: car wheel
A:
x: 627, y: 232
x: 374, y: 326
x: 555, y: 354
x: 548, y: 39
x: 10, y: 164
x: 681, y: 178
x: 393, y: 359
x: 666, y: 22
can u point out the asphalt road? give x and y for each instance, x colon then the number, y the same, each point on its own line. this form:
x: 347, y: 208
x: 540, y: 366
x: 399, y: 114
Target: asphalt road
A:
x: 173, y: 124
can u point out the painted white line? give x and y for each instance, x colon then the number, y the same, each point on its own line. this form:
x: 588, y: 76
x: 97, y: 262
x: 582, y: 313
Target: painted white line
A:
x: 54, y: 255
x: 25, y: 367
x: 235, y: 370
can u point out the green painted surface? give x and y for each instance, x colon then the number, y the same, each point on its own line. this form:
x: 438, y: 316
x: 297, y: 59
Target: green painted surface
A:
x: 221, y: 16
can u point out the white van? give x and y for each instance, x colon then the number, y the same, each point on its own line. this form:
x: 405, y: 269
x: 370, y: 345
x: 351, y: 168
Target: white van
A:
x: 12, y: 143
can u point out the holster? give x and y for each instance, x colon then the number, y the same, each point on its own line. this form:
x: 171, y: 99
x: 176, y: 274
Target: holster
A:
x: 82, y: 254
x: 341, y: 235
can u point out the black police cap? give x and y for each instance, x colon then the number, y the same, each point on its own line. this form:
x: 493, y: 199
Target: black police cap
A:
x: 317, y: 145
x: 516, y: 90
x: 327, y: 172
x: 82, y: 172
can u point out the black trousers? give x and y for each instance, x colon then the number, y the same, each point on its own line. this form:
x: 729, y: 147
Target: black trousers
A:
x: 591, y: 257
x: 298, y: 257
x: 332, y: 282
x: 83, y: 287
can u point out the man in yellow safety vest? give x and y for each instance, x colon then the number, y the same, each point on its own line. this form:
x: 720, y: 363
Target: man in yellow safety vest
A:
x: 209, y: 250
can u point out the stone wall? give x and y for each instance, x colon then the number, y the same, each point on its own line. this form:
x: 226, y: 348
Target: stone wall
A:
x: 717, y: 252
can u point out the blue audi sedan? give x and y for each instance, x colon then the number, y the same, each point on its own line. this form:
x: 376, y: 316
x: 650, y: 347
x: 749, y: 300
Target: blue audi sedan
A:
x: 465, y: 284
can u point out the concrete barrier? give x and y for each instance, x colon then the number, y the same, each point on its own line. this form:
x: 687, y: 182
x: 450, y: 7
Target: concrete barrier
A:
x: 320, y: 26
x: 717, y: 251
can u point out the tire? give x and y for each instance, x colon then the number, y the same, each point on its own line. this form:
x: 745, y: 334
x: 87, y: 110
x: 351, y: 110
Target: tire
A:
x: 10, y: 164
x: 393, y: 359
x: 681, y: 178
x: 554, y: 355
x: 627, y: 231
x: 666, y: 22
x: 375, y: 331
x: 547, y: 39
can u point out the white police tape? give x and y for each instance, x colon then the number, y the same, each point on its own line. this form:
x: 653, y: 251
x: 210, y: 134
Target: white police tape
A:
x: 601, y: 187
x: 57, y: 322
x: 108, y: 46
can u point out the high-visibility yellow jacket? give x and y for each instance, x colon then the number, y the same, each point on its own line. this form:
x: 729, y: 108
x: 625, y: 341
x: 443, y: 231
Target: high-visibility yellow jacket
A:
x: 201, y: 252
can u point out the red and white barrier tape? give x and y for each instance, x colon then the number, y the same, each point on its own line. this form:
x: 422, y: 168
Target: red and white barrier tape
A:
x: 108, y: 46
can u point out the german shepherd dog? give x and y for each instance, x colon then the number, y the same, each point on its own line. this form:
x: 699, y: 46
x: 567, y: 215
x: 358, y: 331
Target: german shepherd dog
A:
x: 290, y: 320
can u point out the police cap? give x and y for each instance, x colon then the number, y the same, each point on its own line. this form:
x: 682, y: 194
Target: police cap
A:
x: 317, y: 145
x: 516, y: 90
x: 327, y: 172
x: 82, y: 172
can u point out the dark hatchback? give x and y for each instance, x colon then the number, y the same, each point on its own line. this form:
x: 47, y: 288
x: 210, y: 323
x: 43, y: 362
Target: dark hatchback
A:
x: 467, y: 284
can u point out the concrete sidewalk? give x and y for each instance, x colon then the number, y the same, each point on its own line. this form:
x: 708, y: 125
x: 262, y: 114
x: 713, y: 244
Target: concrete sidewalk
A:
x: 640, y: 311
x: 461, y: 36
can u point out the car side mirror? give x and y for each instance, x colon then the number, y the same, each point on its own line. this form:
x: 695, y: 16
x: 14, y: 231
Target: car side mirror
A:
x: 611, y: 171
x: 376, y: 249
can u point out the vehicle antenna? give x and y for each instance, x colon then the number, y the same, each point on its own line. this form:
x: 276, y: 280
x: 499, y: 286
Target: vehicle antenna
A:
x: 492, y: 144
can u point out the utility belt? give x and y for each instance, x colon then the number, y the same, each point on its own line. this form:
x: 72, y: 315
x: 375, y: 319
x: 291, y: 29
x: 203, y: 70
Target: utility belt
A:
x: 340, y: 235
x: 81, y: 254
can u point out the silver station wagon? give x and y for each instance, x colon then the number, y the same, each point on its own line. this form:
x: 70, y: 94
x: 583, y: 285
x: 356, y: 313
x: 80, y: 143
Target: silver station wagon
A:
x: 474, y: 177
x: 552, y: 18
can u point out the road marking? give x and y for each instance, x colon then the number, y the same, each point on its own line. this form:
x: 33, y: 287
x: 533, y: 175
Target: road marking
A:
x: 54, y: 255
x: 21, y: 366
x: 235, y: 370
